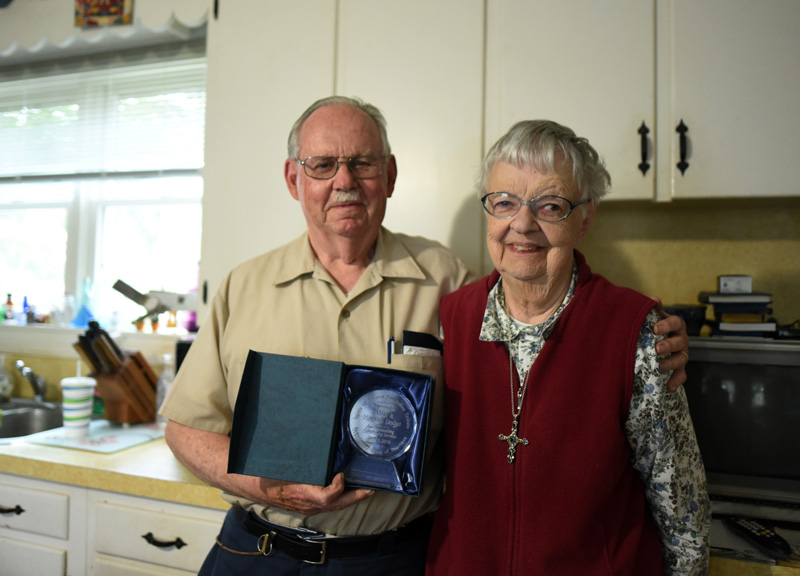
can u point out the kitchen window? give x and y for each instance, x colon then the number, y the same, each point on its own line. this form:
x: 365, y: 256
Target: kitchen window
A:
x: 100, y: 179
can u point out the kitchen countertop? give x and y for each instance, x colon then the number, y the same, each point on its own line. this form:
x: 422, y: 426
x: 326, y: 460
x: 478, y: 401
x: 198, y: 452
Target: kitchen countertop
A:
x: 149, y: 470
x: 731, y: 567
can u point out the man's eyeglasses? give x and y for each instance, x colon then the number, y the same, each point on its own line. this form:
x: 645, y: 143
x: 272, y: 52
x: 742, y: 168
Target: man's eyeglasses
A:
x: 544, y: 208
x: 325, y: 167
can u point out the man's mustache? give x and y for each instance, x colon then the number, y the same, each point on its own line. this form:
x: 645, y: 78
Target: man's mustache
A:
x: 346, y: 196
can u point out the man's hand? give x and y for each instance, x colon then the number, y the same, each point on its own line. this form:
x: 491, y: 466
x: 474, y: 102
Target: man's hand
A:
x: 310, y: 500
x: 206, y: 455
x: 676, y: 344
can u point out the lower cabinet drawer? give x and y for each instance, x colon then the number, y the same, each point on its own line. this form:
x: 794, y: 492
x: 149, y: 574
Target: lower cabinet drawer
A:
x: 42, y: 512
x: 19, y: 558
x: 148, y: 531
x: 111, y: 566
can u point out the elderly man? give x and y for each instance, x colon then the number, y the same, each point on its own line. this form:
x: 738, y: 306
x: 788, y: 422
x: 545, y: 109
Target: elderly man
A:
x: 338, y: 292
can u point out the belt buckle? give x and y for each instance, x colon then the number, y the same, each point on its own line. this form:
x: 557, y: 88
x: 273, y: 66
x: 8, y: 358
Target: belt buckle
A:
x: 323, y: 555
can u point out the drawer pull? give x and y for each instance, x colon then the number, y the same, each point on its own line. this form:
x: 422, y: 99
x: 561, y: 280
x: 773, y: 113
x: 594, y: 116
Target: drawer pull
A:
x: 643, y: 131
x: 16, y: 510
x: 177, y: 543
x: 682, y: 129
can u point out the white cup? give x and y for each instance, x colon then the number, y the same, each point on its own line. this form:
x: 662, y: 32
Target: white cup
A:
x: 77, y: 397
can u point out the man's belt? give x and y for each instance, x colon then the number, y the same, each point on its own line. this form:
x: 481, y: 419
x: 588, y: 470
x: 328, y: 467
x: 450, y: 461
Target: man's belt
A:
x: 271, y: 537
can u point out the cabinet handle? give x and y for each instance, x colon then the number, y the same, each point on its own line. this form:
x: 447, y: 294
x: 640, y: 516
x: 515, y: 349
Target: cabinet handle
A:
x: 644, y: 131
x: 682, y: 129
x: 16, y: 510
x: 177, y: 543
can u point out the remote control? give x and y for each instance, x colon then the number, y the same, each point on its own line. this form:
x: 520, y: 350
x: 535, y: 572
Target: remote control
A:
x: 763, y: 538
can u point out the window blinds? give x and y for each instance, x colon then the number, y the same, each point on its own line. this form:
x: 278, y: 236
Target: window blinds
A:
x: 146, y: 116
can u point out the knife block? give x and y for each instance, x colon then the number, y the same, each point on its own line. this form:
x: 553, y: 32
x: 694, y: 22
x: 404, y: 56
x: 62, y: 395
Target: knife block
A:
x: 129, y: 394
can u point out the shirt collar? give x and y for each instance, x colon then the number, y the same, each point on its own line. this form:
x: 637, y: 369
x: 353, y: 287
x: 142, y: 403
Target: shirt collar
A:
x: 498, y: 325
x: 391, y: 260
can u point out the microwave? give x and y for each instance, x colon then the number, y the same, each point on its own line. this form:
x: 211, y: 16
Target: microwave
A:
x: 744, y: 400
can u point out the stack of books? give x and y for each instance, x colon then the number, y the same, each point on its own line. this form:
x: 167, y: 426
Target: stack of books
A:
x: 740, y: 313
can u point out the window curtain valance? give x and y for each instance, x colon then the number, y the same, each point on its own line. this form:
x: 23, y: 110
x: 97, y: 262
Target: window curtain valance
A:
x: 44, y: 29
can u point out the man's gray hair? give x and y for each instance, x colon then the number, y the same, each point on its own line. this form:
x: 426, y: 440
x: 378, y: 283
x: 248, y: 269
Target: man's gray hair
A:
x: 543, y: 144
x: 368, y: 109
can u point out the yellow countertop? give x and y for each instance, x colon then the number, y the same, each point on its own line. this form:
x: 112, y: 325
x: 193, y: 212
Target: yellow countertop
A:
x: 732, y: 567
x: 148, y: 470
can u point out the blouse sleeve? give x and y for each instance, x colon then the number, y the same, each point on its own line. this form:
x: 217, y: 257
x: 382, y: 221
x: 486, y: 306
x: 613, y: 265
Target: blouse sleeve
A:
x: 666, y: 456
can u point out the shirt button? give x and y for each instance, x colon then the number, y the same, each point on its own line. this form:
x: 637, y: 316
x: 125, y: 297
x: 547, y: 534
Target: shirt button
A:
x: 346, y: 313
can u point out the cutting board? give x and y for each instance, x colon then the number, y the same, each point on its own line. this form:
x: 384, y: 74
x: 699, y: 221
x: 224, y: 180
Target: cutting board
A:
x: 104, y: 437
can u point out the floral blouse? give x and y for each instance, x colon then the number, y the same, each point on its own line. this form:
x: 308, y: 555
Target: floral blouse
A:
x: 659, y: 431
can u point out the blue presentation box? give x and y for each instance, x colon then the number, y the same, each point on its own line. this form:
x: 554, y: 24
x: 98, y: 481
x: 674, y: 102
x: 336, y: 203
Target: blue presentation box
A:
x: 305, y: 420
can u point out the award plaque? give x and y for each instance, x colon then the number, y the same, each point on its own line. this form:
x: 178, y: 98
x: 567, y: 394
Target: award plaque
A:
x: 383, y: 414
x: 306, y: 420
x: 382, y: 423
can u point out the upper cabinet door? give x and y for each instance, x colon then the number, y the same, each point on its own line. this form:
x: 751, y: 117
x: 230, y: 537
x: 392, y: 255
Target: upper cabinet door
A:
x: 421, y: 63
x: 736, y: 87
x: 266, y: 62
x: 586, y: 64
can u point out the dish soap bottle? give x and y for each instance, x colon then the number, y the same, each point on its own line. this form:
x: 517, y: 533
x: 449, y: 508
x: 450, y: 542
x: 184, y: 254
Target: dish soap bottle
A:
x: 6, y: 387
x: 164, y: 383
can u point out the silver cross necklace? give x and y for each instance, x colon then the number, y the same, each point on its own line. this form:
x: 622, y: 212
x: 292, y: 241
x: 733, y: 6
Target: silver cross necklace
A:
x: 517, y: 399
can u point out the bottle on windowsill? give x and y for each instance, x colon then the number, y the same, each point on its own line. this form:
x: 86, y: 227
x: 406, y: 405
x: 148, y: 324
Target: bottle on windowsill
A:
x: 22, y: 317
x: 9, y: 311
x: 164, y: 384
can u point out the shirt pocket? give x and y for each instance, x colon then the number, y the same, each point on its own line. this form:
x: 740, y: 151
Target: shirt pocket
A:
x: 431, y: 365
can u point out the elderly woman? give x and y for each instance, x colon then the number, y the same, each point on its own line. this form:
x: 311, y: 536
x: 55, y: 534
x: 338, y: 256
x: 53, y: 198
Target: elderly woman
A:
x: 592, y: 467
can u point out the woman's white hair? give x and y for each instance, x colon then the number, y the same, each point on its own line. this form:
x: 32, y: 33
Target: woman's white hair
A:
x: 544, y: 145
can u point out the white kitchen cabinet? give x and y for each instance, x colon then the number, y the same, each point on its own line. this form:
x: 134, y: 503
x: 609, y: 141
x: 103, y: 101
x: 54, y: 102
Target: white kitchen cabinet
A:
x: 108, y: 566
x: 53, y: 529
x: 42, y: 528
x: 585, y: 64
x: 21, y: 558
x: 452, y: 76
x: 419, y: 62
x: 130, y: 536
x: 735, y: 83
x: 727, y: 69
x: 266, y: 62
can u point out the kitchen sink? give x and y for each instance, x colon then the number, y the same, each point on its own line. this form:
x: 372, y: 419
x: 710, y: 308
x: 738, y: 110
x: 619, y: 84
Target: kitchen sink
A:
x: 21, y: 417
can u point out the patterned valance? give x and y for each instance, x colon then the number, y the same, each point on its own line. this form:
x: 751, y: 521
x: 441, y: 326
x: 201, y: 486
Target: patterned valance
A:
x: 45, y: 29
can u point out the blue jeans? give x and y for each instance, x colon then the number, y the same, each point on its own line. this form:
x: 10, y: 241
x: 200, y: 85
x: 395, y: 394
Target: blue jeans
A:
x: 241, y: 557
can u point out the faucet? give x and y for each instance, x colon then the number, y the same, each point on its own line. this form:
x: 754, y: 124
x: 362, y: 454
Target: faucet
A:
x: 37, y: 382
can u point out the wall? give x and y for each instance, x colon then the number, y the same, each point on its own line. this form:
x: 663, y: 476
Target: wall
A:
x: 48, y: 351
x: 676, y: 250
x: 51, y: 368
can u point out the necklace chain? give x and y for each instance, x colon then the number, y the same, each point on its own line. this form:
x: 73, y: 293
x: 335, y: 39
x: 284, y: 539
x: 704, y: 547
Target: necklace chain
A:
x: 520, y: 395
x: 513, y: 438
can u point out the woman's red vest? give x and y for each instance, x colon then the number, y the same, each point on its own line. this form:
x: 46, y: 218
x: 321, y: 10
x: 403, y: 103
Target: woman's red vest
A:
x: 571, y: 502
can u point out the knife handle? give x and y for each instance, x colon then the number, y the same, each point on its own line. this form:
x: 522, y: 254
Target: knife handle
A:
x: 85, y: 357
x: 90, y: 354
